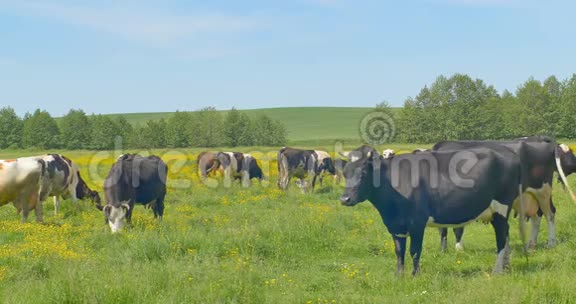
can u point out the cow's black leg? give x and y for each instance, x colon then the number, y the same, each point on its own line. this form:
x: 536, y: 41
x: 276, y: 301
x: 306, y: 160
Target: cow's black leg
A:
x: 501, y: 228
x: 458, y: 233
x: 313, y: 182
x: 129, y: 215
x: 416, y: 239
x: 159, y: 208
x: 400, y: 249
x: 443, y: 238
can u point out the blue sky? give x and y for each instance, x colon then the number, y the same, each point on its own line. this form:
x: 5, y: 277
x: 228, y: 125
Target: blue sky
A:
x: 155, y: 56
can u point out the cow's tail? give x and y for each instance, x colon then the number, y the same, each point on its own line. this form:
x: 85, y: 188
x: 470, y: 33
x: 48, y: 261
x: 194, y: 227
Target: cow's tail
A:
x: 282, y: 168
x: 43, y: 183
x: 561, y: 173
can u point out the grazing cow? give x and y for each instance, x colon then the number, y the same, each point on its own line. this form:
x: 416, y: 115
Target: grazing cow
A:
x: 388, y: 153
x: 64, y: 181
x: 207, y: 162
x: 22, y: 182
x: 134, y: 179
x: 325, y: 164
x: 442, y: 189
x: 539, y: 156
x: 238, y: 165
x: 303, y: 164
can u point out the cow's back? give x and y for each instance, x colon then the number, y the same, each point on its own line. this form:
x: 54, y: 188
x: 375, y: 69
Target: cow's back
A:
x: 149, y: 180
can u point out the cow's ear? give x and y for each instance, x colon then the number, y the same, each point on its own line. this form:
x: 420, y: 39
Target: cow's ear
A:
x: 344, y: 154
x: 126, y: 207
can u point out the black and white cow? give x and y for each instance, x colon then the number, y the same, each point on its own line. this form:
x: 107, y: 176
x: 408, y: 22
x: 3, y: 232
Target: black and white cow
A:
x: 303, y: 164
x: 134, y: 179
x: 442, y: 189
x: 242, y: 166
x: 539, y: 156
x: 64, y: 181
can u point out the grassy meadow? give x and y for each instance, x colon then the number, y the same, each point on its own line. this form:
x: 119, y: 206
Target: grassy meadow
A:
x: 261, y: 245
x: 303, y: 124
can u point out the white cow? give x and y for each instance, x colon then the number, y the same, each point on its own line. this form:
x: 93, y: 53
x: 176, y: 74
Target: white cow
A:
x: 22, y: 182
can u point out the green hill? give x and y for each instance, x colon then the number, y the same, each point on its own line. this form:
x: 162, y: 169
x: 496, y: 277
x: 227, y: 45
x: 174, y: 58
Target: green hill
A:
x: 303, y: 124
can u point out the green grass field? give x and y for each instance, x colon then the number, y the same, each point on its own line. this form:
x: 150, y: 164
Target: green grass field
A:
x: 314, y: 124
x: 261, y: 245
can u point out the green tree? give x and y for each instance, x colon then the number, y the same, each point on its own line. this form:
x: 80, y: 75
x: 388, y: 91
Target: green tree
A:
x: 567, y: 107
x: 450, y: 109
x: 237, y: 129
x: 75, y: 130
x: 510, y: 109
x: 153, y: 134
x: 125, y: 130
x: 534, y: 101
x: 40, y: 131
x: 10, y: 129
x: 553, y: 89
x: 176, y: 134
x: 268, y: 132
x: 104, y: 132
x: 205, y: 128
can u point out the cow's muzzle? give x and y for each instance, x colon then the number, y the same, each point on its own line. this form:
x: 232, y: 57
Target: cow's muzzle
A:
x: 346, y: 201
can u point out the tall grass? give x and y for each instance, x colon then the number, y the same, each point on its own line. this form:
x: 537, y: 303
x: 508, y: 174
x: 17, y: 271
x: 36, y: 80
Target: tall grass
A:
x: 261, y: 245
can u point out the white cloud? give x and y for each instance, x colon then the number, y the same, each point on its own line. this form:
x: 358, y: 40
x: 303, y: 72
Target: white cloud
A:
x: 136, y: 23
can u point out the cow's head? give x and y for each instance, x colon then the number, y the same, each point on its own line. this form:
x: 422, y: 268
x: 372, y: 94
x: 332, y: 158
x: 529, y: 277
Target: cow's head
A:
x: 254, y: 169
x: 359, y: 172
x: 567, y: 159
x: 114, y: 216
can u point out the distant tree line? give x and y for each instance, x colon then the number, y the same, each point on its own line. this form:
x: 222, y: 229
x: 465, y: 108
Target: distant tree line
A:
x: 76, y: 130
x: 460, y: 107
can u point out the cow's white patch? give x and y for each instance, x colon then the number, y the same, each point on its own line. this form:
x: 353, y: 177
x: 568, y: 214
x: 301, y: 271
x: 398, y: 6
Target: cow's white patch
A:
x: 564, y: 148
x: 459, y: 246
x: 485, y: 216
x: 388, y: 153
x: 495, y: 207
x: 503, y: 258
x: 534, y: 199
x: 535, y: 229
x: 321, y: 155
x: 233, y: 161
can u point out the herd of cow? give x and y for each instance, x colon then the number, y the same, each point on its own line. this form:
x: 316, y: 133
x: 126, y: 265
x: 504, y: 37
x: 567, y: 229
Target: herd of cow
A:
x: 451, y: 185
x: 28, y: 181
